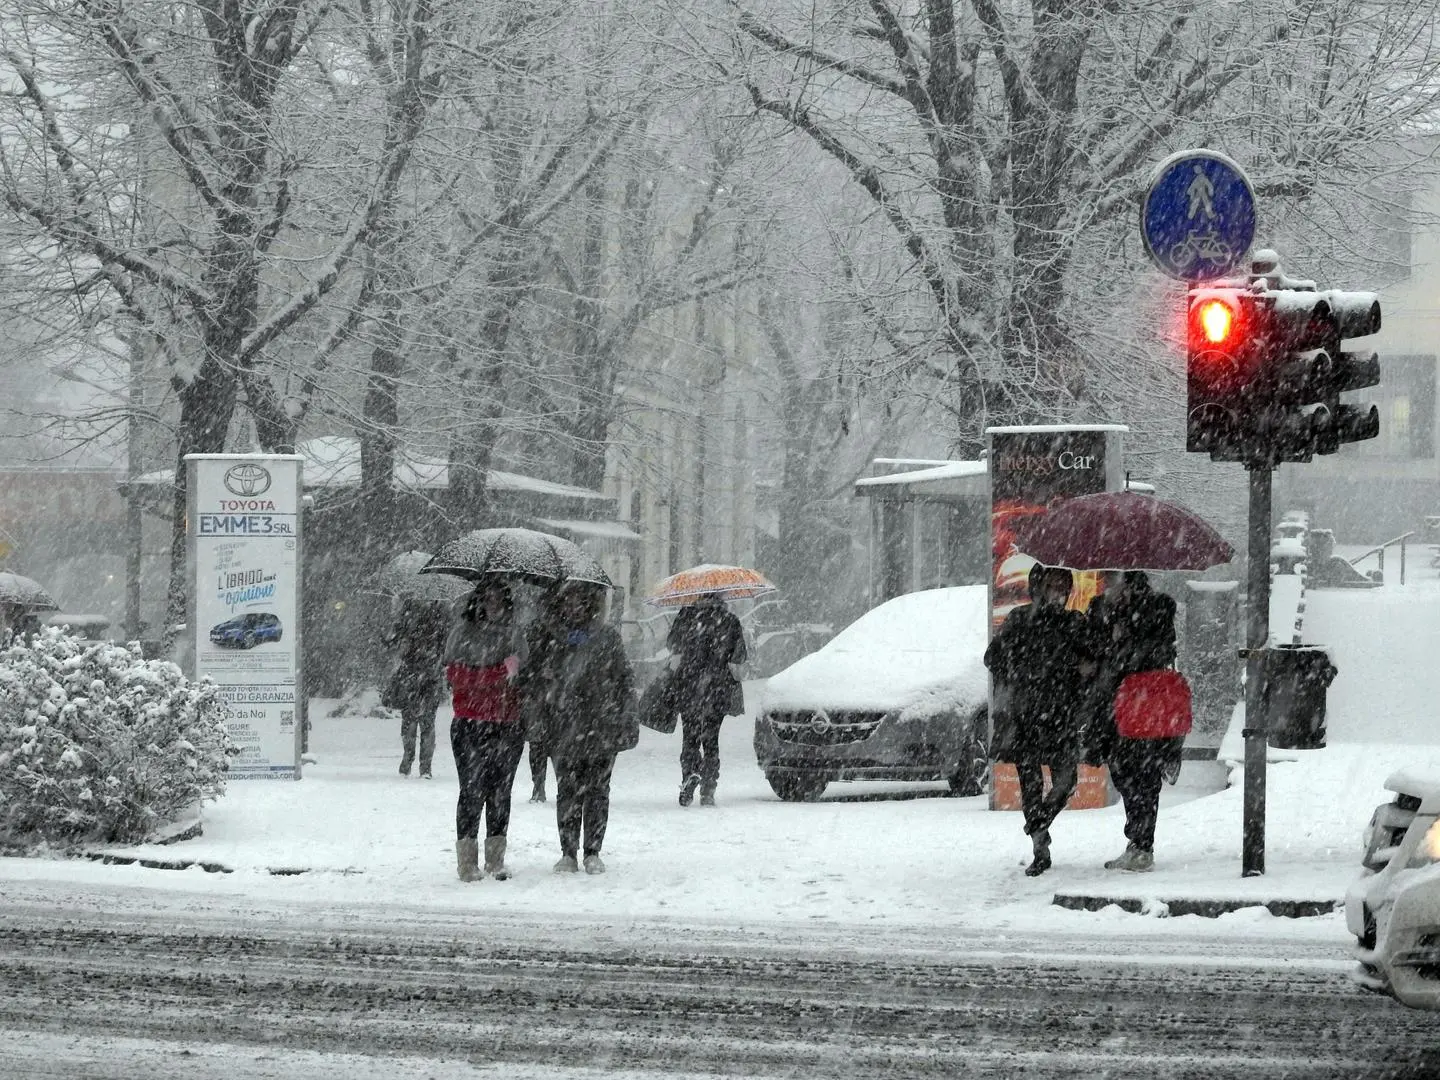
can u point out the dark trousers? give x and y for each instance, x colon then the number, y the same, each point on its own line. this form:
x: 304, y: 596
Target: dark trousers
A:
x: 417, y: 719
x: 700, y: 747
x: 1040, y: 808
x: 582, y: 800
x: 486, y: 757
x: 538, y: 760
x: 1137, y: 768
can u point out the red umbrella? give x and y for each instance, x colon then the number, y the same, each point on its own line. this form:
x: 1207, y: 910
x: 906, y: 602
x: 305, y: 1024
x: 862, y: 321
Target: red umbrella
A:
x: 1121, y: 530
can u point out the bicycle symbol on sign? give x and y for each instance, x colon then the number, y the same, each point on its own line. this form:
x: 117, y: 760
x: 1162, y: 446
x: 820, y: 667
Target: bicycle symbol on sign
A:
x: 1206, y: 246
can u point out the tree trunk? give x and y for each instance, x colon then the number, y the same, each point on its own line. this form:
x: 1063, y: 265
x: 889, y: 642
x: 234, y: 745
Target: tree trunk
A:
x: 207, y: 404
x: 594, y: 363
x: 380, y: 421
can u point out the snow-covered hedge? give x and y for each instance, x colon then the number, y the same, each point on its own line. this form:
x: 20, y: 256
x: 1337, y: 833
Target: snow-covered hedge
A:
x: 99, y: 744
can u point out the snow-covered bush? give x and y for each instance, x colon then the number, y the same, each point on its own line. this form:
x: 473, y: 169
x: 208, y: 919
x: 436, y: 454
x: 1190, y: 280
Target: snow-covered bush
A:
x: 99, y: 744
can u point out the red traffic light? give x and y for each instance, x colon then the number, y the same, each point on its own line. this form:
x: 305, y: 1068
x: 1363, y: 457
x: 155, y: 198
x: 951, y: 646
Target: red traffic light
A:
x: 1215, y: 320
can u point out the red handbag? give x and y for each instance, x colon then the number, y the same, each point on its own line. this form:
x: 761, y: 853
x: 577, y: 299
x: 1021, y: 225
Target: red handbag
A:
x: 1153, y: 705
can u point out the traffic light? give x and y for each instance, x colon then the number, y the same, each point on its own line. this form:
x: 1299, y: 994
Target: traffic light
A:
x: 1266, y: 368
x: 1306, y: 416
x: 1357, y: 314
x: 1222, y: 361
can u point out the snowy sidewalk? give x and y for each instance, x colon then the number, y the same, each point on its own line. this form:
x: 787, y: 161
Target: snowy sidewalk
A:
x: 353, y: 831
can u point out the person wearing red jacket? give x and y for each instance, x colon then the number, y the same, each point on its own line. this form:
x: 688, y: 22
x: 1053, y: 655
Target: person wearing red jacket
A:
x: 482, y: 658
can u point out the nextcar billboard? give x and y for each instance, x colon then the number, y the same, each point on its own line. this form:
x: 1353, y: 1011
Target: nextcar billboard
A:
x: 1033, y: 470
x: 243, y: 523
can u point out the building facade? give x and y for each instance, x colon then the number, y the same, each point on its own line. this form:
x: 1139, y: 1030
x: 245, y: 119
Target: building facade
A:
x: 1373, y: 491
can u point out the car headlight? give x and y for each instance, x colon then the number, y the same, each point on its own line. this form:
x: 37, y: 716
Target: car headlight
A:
x: 1427, y: 852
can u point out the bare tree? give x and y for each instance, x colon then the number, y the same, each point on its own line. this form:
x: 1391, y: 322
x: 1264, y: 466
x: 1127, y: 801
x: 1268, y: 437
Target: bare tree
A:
x: 171, y: 154
x: 1006, y: 146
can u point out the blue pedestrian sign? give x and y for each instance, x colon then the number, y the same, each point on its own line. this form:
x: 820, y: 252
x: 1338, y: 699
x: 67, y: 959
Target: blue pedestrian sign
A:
x: 1198, y: 216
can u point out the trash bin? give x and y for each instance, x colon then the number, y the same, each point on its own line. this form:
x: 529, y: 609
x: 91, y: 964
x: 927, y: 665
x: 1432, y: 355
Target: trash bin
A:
x: 1296, y: 680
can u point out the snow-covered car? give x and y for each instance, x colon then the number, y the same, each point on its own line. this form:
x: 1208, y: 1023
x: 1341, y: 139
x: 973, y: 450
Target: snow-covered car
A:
x: 247, y: 630
x: 900, y: 694
x: 1393, y: 909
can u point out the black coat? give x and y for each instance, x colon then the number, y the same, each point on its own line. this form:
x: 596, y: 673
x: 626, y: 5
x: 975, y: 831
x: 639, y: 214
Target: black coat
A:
x: 539, y: 679
x: 706, y: 639
x: 583, y: 706
x: 418, y: 638
x: 1134, y: 633
x: 1128, y: 635
x: 1036, y: 657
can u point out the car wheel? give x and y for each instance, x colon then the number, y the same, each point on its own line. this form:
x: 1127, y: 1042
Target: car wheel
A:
x: 971, y: 775
x: 248, y: 641
x: 796, y: 787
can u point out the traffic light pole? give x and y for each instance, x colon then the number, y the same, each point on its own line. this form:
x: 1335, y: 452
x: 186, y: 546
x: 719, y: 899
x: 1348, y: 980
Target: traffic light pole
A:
x: 1252, y: 842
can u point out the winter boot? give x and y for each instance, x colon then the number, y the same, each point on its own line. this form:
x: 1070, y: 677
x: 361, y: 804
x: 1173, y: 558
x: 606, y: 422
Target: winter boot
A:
x: 593, y: 864
x: 1134, y: 860
x: 687, y: 789
x: 707, y: 796
x: 1040, y: 842
x: 495, y: 858
x: 567, y: 865
x: 406, y: 760
x: 467, y: 859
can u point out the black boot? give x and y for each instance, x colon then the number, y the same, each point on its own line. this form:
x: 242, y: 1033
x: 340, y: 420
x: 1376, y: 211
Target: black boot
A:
x: 687, y: 789
x: 1040, y: 841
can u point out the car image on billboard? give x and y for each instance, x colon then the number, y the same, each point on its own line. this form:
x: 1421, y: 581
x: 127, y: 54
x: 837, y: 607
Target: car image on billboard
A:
x: 247, y: 630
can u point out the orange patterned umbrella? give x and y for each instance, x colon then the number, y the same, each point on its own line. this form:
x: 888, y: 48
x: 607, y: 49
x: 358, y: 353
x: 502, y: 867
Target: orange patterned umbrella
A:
x: 731, y: 582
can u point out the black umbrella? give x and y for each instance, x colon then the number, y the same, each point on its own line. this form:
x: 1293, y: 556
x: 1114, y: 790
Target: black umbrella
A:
x: 25, y: 592
x: 520, y: 553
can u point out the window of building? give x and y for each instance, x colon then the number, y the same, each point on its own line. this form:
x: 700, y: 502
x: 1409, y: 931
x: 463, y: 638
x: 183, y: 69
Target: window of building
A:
x: 1400, y: 421
x: 1406, y: 402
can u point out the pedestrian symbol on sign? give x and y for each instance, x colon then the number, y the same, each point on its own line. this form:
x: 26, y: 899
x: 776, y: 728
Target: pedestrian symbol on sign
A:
x: 1198, y: 216
x: 1201, y: 192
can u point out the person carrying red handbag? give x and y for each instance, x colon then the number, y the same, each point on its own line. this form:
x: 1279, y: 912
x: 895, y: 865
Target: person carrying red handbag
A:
x: 482, y: 658
x: 1132, y: 631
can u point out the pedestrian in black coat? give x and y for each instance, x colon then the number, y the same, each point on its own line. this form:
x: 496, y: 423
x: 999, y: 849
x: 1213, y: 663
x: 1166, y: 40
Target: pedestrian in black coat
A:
x: 536, y: 682
x: 1041, y: 658
x: 417, y: 686
x: 707, y: 647
x: 588, y: 717
x: 1132, y: 630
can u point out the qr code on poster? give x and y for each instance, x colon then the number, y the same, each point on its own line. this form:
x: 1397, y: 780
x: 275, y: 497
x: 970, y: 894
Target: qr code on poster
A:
x: 287, y: 717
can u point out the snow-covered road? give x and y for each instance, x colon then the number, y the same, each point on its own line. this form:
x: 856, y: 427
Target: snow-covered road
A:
x: 91, y: 990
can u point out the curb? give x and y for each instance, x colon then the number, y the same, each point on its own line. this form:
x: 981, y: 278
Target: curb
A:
x: 111, y: 859
x: 157, y: 864
x: 1206, y: 908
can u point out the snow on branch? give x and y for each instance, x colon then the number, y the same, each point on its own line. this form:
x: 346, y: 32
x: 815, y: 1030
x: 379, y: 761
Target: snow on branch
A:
x: 865, y: 175
x: 752, y: 25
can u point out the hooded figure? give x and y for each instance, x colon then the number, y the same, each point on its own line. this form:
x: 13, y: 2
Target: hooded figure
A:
x: 1042, y: 656
x: 482, y: 658
x: 585, y: 718
x: 417, y: 687
x: 1132, y: 629
x: 707, y: 647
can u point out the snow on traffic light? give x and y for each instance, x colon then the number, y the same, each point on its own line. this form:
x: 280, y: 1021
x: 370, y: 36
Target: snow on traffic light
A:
x: 1265, y: 369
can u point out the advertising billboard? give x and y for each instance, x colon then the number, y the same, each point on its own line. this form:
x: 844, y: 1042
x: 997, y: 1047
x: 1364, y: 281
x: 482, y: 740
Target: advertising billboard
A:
x: 1032, y: 470
x: 243, y: 526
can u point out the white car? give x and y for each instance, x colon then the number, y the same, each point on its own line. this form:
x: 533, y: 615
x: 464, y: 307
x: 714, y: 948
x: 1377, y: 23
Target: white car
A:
x: 900, y: 694
x: 1394, y: 908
